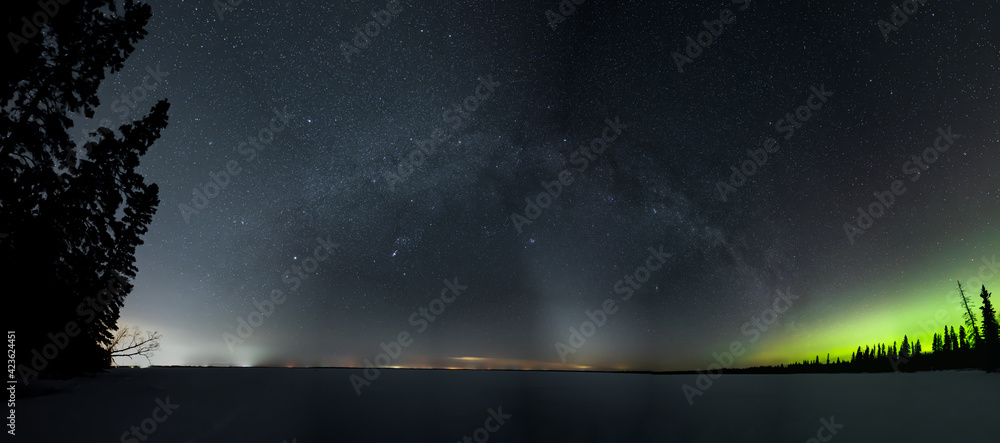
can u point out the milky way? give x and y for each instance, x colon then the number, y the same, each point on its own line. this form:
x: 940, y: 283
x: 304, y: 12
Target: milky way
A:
x: 281, y: 140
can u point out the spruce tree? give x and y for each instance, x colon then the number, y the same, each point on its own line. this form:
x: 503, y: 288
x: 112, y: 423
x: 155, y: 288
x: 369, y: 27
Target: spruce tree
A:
x: 991, y: 332
x: 970, y: 319
x: 904, y: 349
x: 954, y: 340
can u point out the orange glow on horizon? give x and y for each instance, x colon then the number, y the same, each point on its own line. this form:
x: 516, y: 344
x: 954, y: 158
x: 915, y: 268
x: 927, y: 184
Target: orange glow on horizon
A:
x: 453, y: 363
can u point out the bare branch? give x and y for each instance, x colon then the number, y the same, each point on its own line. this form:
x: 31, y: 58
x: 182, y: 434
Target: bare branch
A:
x: 130, y: 341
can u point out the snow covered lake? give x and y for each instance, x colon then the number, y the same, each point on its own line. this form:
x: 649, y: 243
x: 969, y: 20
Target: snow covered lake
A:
x: 273, y: 405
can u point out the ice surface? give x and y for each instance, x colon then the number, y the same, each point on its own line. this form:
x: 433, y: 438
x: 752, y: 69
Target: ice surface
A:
x: 320, y: 405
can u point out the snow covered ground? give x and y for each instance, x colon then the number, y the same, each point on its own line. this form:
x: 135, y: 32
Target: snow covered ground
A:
x: 273, y: 405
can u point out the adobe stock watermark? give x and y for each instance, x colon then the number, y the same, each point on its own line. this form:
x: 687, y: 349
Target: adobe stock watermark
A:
x: 827, y: 429
x: 713, y: 29
x: 310, y: 264
x: 899, y: 17
x: 88, y: 310
x: 786, y: 127
x: 626, y: 286
x: 126, y: 103
x: 755, y: 327
x: 202, y: 195
x: 47, y: 10
x: 581, y: 158
x: 129, y: 100
x: 163, y: 410
x: 566, y: 8
x: 456, y: 117
x: 482, y: 434
x: 364, y: 34
x: 404, y: 339
x: 941, y: 318
x: 912, y: 168
x: 222, y: 7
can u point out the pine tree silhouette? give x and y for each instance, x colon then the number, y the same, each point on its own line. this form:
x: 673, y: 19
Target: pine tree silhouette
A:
x: 72, y: 222
x: 991, y: 333
x: 954, y: 340
x: 970, y: 319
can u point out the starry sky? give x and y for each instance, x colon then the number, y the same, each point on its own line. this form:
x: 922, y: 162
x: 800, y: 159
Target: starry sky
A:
x: 316, y: 132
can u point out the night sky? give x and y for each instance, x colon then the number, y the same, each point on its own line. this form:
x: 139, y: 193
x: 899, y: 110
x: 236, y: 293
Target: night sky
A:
x: 315, y: 135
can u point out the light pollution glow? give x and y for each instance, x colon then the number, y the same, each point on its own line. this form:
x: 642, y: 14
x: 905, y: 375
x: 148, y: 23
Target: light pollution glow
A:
x: 916, y: 302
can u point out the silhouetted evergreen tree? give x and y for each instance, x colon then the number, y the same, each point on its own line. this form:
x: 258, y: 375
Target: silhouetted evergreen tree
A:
x: 916, y: 348
x: 73, y: 222
x: 936, y: 345
x: 904, y: 348
x: 970, y: 319
x: 991, y: 332
x: 962, y: 343
x: 954, y: 340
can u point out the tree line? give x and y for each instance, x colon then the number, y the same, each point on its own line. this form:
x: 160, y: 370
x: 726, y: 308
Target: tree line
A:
x: 975, y: 345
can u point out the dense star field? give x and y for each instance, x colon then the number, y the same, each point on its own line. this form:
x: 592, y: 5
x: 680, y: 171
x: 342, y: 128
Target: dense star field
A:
x: 627, y: 185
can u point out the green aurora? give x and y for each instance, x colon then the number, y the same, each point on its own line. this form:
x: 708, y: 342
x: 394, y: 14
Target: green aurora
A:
x: 917, y: 303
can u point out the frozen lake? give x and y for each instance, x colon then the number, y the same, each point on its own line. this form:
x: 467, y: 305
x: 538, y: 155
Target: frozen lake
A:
x: 321, y: 405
